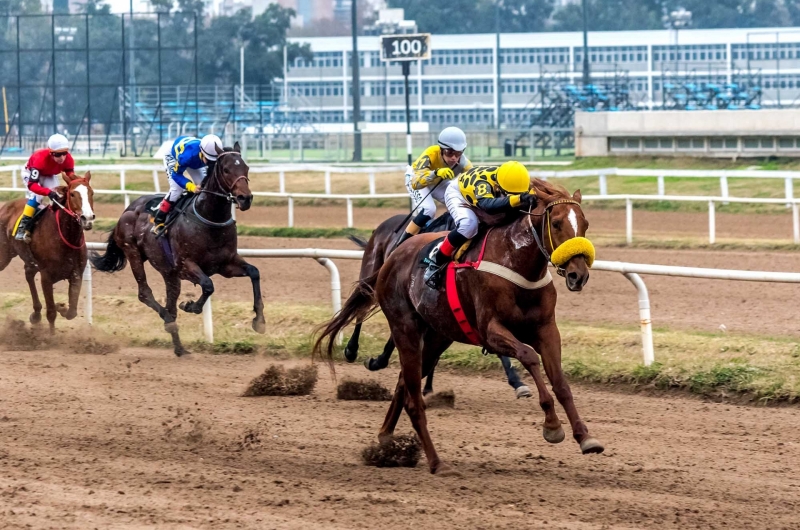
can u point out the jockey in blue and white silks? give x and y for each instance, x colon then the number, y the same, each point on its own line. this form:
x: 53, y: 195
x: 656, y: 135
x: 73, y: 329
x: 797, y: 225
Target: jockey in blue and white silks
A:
x: 186, y: 163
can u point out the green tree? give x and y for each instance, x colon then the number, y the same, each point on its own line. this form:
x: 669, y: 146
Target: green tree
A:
x: 447, y: 17
x: 610, y: 15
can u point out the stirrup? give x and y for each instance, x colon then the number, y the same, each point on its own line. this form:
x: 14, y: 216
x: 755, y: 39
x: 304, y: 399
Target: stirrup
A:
x: 158, y: 229
x: 433, y: 275
x: 23, y: 235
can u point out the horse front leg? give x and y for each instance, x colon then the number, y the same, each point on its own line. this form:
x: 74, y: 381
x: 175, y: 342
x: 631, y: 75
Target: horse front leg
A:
x: 502, y: 342
x: 50, y: 303
x: 547, y: 341
x: 193, y: 273
x: 238, y: 268
x: 30, y: 277
x: 70, y: 311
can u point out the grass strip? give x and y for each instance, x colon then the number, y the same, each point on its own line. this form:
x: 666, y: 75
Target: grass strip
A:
x: 729, y: 366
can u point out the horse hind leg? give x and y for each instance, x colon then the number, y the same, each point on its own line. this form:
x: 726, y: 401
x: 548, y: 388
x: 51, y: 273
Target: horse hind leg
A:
x: 382, y: 361
x: 351, y: 350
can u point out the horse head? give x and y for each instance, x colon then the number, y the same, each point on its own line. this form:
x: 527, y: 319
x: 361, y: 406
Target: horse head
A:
x: 231, y: 174
x: 80, y: 198
x: 563, y: 228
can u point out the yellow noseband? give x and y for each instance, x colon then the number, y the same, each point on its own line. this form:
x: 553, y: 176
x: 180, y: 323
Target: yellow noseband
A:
x: 571, y: 248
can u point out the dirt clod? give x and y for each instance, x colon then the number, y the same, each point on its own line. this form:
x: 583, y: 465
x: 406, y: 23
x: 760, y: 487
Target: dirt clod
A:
x: 446, y: 399
x: 400, y: 451
x: 278, y: 381
x: 362, y: 390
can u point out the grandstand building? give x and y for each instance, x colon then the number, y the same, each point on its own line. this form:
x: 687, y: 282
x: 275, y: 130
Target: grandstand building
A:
x: 459, y: 84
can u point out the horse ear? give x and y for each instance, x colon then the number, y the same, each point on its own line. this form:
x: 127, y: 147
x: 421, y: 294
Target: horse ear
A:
x: 217, y: 149
x: 66, y: 178
x: 237, y: 148
x: 577, y: 195
x: 88, y: 176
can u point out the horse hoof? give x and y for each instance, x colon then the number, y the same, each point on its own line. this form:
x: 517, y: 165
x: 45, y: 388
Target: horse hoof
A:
x: 171, y: 327
x: 180, y: 352
x: 259, y: 326
x: 385, y: 438
x: 553, y: 436
x: 350, y: 355
x: 35, y: 317
x: 373, y: 365
x: 191, y: 307
x: 445, y: 470
x: 590, y: 445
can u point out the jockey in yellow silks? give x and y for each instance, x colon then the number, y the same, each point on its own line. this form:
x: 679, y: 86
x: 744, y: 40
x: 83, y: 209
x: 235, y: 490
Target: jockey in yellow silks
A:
x: 493, y: 189
x: 424, y: 180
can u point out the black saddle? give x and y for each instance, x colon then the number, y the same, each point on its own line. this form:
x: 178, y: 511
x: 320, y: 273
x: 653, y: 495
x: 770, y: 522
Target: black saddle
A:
x: 180, y: 206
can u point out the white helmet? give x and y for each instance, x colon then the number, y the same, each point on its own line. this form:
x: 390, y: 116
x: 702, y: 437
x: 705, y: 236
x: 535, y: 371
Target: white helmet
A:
x: 58, y: 142
x: 453, y: 138
x: 209, y: 144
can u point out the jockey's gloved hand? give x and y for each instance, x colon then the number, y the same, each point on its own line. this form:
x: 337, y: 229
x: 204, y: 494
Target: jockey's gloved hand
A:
x: 191, y: 188
x: 445, y: 173
x: 527, y: 199
x: 54, y: 196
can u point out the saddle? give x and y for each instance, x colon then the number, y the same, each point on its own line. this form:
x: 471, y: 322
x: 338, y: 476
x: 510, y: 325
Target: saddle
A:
x: 37, y: 216
x: 180, y: 206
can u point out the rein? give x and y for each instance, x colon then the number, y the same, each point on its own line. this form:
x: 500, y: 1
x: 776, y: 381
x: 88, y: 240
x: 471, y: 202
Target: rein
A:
x: 74, y: 217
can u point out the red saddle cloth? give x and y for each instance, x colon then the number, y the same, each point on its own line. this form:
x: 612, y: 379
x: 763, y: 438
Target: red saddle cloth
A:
x: 452, y: 294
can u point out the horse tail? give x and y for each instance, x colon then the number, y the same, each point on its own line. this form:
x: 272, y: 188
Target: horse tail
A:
x: 112, y: 261
x: 360, y: 241
x: 357, y: 307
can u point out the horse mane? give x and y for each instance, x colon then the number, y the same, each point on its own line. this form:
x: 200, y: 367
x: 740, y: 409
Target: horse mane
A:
x: 547, y: 191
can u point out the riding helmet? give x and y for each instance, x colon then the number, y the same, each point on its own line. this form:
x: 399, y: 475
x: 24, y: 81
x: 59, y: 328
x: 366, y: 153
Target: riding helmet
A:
x: 209, y: 145
x: 513, y: 177
x: 453, y: 138
x: 58, y: 142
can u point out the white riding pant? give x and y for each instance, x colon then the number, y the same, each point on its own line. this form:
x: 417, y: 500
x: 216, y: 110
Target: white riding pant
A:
x: 423, y: 200
x: 46, y: 181
x: 465, y: 219
x: 175, y: 191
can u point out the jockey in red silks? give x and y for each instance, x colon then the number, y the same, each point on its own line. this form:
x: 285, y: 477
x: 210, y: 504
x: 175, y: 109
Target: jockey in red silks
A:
x: 41, y: 176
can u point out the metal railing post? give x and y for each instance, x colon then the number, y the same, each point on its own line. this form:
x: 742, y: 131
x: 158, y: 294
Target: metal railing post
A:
x: 349, y: 212
x: 87, y: 282
x: 629, y: 221
x: 661, y: 186
x: 156, y: 183
x: 789, y: 188
x: 712, y: 223
x: 372, y: 183
x: 336, y: 289
x: 603, y: 182
x: 208, y: 322
x: 795, y: 223
x: 291, y: 212
x: 723, y: 186
x: 644, y: 317
x: 328, y: 181
x: 281, y: 182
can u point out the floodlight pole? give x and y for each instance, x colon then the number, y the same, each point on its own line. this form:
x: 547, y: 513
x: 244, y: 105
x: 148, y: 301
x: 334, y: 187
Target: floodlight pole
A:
x: 356, y: 84
x: 586, y: 75
x: 406, y: 71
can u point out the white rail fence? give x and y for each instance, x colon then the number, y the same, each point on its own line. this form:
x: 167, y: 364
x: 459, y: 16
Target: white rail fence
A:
x: 602, y: 174
x: 631, y: 271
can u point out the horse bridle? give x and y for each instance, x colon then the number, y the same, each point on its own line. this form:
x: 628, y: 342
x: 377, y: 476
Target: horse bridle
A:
x: 72, y: 214
x: 545, y: 215
x: 214, y: 175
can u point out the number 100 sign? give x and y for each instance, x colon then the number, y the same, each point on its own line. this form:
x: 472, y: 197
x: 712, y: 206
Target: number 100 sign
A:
x: 405, y: 47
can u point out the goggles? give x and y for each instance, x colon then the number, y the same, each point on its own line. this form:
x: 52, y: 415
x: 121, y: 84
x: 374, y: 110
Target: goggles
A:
x: 446, y: 151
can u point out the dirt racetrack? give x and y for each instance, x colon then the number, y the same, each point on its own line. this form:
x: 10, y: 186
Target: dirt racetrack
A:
x: 141, y: 439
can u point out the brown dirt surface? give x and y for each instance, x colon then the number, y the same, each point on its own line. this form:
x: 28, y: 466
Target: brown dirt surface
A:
x: 99, y: 442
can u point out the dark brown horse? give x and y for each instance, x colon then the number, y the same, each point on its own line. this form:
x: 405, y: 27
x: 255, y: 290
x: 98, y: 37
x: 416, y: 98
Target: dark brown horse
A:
x: 57, y: 250
x: 200, y: 242
x: 509, y: 320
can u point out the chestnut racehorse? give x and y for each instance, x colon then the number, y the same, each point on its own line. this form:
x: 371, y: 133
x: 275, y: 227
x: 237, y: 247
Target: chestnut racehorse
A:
x: 57, y: 250
x: 508, y: 318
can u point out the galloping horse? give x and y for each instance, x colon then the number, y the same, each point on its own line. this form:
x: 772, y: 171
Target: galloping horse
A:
x: 57, y: 249
x: 508, y: 316
x: 199, y: 243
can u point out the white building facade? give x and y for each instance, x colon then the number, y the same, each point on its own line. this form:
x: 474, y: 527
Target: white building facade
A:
x: 459, y: 83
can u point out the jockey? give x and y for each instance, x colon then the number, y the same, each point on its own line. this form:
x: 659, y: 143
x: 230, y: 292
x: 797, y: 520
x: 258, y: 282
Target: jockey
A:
x: 494, y: 190
x: 444, y: 161
x: 191, y: 156
x: 41, y: 176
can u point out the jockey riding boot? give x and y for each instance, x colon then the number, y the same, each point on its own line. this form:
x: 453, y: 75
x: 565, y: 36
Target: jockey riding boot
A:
x: 441, y: 256
x: 413, y: 228
x: 24, y: 228
x: 160, y: 218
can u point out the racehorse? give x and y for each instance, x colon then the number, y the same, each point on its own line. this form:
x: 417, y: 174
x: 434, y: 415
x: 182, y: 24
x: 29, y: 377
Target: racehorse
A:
x: 57, y: 250
x: 200, y: 242
x: 507, y: 318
